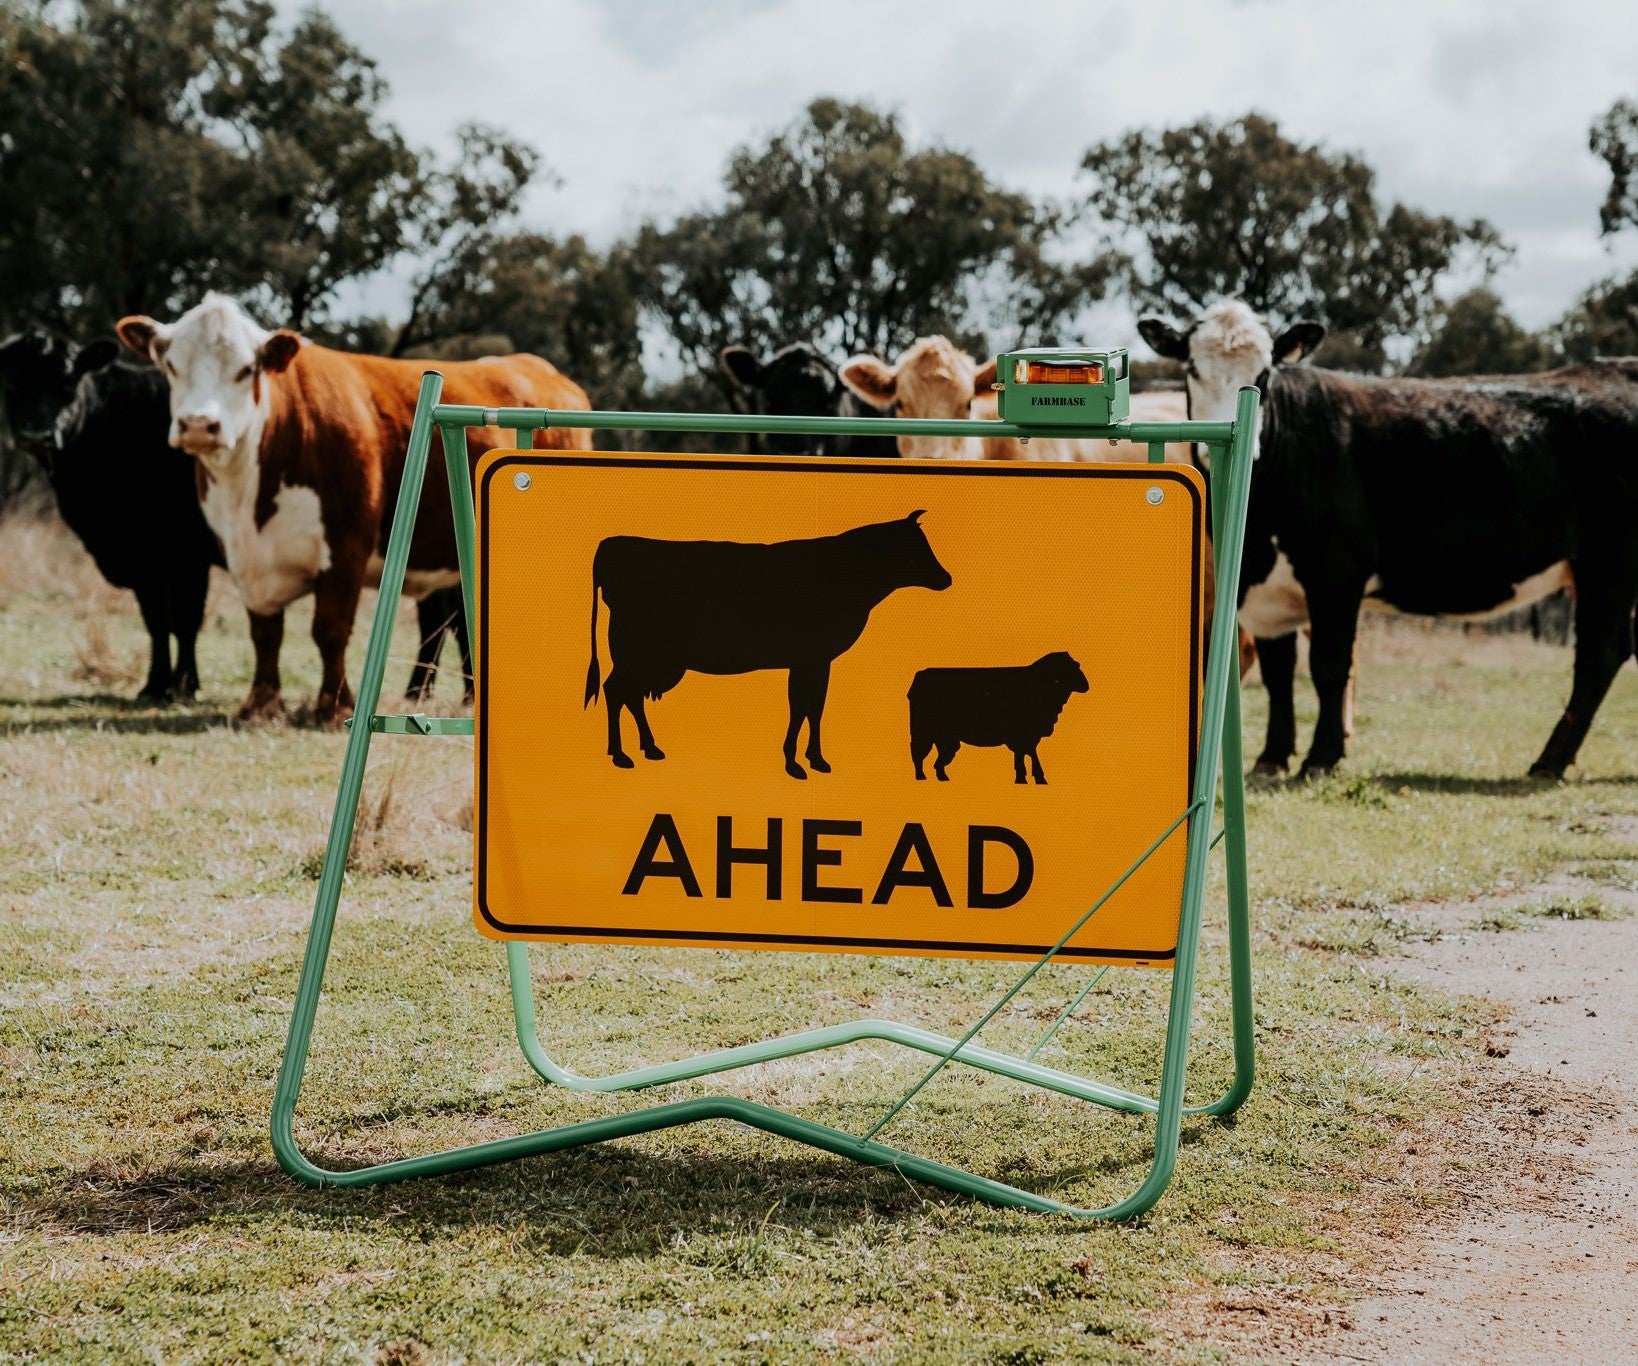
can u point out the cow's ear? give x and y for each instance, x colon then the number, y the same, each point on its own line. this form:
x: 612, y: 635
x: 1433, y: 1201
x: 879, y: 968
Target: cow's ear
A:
x: 741, y: 366
x: 1298, y: 342
x: 276, y: 353
x: 1164, y: 339
x: 984, y: 378
x: 93, y: 356
x: 143, y: 335
x: 871, y: 379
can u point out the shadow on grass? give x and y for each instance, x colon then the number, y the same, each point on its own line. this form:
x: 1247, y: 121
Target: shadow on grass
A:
x: 91, y: 712
x: 607, y: 1200
x: 1464, y: 785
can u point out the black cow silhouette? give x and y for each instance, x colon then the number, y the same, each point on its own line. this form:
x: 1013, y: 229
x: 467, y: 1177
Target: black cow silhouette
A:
x: 1015, y: 707
x: 729, y: 607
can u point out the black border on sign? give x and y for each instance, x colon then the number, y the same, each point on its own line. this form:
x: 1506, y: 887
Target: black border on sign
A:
x: 961, y: 469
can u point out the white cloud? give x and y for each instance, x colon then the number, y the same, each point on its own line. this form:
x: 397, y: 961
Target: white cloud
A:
x: 1466, y: 107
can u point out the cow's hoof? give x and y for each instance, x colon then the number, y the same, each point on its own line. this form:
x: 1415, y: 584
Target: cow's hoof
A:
x: 653, y: 752
x: 1267, y: 768
x: 921, y: 777
x: 1040, y: 781
x: 154, y: 695
x: 941, y: 775
x: 795, y: 770
x: 817, y: 764
x: 1310, y: 772
x: 623, y: 761
x: 261, y: 707
x: 1549, y: 772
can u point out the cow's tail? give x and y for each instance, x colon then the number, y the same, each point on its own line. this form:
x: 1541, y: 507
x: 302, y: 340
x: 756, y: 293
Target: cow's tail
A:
x: 593, y: 680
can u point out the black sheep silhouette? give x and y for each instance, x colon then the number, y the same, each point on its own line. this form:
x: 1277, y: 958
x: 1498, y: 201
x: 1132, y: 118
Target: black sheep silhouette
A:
x: 730, y: 607
x: 1016, y: 707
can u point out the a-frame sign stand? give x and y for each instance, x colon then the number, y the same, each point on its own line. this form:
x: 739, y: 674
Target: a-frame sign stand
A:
x: 1231, y: 446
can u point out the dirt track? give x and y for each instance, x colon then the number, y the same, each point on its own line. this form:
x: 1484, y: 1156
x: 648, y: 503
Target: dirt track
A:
x: 1543, y: 1264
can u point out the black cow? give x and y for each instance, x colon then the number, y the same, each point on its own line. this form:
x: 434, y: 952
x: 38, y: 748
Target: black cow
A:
x: 98, y: 426
x: 1015, y: 707
x: 799, y: 382
x: 1459, y: 497
x: 727, y: 607
x: 97, y: 420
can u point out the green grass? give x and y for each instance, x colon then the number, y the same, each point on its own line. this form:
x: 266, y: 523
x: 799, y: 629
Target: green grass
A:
x: 156, y: 873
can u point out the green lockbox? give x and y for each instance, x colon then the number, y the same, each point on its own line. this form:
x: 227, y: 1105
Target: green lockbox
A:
x: 1064, y: 386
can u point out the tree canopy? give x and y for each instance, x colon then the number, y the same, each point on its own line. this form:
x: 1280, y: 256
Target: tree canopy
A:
x: 1210, y: 210
x: 157, y: 148
x: 1474, y: 334
x: 1614, y: 139
x: 836, y: 231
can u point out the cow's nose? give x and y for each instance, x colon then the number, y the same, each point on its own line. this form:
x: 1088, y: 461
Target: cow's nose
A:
x: 196, y: 425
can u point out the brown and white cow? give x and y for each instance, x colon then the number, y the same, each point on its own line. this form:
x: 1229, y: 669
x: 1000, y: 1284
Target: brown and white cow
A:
x: 299, y: 450
x: 937, y: 379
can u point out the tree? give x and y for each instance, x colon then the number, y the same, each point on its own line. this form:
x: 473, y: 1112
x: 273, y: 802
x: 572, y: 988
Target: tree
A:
x: 1603, y: 321
x: 834, y: 231
x: 1474, y: 334
x: 529, y: 292
x: 157, y: 148
x: 1240, y: 209
x: 1614, y: 138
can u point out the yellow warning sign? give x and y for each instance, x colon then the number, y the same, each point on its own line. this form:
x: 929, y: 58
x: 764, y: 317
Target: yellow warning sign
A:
x: 889, y: 706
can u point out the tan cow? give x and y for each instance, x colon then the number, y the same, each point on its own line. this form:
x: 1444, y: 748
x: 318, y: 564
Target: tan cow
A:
x: 935, y: 378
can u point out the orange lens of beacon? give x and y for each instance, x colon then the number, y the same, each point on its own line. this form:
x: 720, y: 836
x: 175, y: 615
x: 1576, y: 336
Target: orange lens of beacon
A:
x: 1061, y: 372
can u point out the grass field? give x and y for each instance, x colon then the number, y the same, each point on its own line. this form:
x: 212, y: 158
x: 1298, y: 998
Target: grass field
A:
x: 157, y: 869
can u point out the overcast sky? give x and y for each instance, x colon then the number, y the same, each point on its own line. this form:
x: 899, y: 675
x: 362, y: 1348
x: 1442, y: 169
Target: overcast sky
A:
x: 1463, y: 107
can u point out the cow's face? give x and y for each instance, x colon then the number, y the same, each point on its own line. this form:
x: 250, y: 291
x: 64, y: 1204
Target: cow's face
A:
x: 1227, y: 348
x: 35, y: 381
x: 38, y: 376
x: 1063, y: 672
x: 217, y: 362
x: 933, y: 379
x: 797, y: 381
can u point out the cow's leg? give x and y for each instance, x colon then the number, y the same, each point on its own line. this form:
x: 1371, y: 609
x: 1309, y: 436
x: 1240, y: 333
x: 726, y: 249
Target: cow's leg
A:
x: 431, y: 623
x: 1277, y: 658
x: 818, y: 687
x: 188, y: 589
x: 335, y: 604
x: 946, y: 751
x: 1035, y: 767
x: 1018, y: 775
x: 266, y: 636
x: 156, y: 616
x: 463, y: 638
x: 614, y: 699
x: 796, y: 694
x: 1335, y: 619
x: 1603, y: 640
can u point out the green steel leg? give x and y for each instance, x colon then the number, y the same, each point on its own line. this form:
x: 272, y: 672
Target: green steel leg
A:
x: 1219, y: 747
x: 352, y: 781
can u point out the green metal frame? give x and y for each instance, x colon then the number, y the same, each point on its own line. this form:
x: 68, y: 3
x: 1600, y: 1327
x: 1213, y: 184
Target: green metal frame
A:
x: 1231, y: 445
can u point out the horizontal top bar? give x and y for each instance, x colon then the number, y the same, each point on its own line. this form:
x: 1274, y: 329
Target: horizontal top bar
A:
x: 463, y: 415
